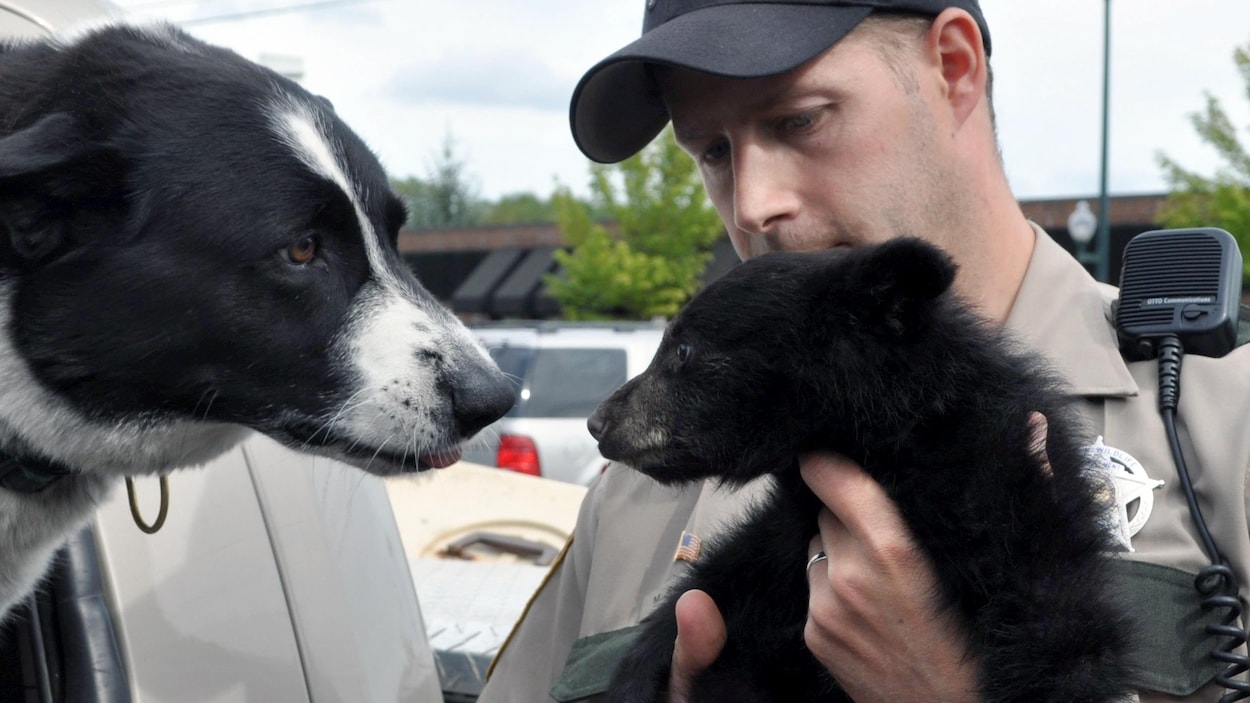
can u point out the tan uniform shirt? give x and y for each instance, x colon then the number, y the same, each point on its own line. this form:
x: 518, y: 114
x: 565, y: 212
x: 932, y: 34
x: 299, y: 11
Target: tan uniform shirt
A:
x: 622, y: 554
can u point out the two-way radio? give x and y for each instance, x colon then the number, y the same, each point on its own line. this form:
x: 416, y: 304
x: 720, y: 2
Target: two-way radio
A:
x: 1180, y: 293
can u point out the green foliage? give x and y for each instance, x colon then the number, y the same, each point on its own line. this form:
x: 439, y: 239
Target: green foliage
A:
x: 446, y: 197
x: 1222, y: 200
x: 653, y: 263
x: 519, y: 208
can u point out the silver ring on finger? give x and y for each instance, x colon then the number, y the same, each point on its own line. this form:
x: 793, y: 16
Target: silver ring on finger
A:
x: 818, y: 556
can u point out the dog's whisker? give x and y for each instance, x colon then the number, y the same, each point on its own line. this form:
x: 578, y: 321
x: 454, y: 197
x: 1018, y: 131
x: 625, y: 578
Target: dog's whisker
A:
x: 211, y: 394
x: 348, y: 407
x: 181, y: 453
x: 350, y: 404
x: 416, y: 450
x: 376, y: 452
x: 329, y: 424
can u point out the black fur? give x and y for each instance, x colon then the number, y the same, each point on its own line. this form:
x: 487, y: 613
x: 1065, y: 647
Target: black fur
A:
x: 155, y: 180
x: 157, y: 198
x: 146, y: 200
x: 866, y: 353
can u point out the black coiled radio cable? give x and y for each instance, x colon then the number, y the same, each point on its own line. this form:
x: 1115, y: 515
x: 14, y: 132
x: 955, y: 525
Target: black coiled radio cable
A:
x: 1216, y: 583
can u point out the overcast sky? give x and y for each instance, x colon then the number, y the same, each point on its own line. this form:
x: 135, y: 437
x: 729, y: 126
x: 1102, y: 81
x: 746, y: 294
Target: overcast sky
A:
x: 497, y: 75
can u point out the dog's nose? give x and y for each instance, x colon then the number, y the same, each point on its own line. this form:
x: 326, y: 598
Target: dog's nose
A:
x: 596, y: 424
x: 481, y: 396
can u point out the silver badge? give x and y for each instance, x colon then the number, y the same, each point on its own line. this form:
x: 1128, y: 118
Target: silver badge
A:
x: 1127, y: 493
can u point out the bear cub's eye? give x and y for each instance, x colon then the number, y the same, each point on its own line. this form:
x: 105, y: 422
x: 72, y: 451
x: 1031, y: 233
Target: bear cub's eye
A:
x: 684, y: 352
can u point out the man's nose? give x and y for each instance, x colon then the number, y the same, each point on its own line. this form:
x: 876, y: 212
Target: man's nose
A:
x: 764, y: 192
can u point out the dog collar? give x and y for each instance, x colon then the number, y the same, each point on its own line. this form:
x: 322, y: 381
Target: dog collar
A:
x: 22, y: 475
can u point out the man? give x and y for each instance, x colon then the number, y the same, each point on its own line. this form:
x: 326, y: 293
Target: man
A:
x: 822, y: 123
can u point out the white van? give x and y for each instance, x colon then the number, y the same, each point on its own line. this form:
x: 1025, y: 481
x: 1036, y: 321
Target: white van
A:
x: 562, y: 370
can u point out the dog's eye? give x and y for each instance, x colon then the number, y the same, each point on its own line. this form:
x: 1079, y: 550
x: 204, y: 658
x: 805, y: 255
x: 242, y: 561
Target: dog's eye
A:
x: 302, y: 250
x: 684, y: 352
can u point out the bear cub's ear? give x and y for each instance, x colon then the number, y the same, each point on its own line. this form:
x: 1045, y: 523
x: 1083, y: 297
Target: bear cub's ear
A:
x: 884, y: 286
x: 906, y: 269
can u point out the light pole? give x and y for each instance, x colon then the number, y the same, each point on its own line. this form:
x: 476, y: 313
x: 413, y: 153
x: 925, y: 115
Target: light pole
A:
x: 1081, y: 225
x: 1102, y: 272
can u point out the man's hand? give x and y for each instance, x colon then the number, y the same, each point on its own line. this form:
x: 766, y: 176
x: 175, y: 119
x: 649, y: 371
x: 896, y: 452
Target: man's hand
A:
x: 871, y: 618
x: 700, y: 638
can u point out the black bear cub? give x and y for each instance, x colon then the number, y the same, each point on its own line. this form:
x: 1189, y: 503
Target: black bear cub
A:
x: 865, y: 352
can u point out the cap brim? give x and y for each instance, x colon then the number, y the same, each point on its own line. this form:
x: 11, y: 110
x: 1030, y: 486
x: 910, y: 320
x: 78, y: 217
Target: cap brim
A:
x: 616, y: 108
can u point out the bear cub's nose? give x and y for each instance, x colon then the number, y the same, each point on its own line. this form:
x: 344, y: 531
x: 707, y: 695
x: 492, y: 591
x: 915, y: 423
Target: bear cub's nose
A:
x: 596, y: 424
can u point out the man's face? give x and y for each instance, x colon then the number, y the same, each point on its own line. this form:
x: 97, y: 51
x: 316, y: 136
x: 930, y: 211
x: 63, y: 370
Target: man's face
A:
x: 841, y: 151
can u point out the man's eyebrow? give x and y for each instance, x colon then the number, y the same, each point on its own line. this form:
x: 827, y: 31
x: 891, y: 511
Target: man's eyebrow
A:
x: 688, y: 135
x: 760, y: 103
x: 765, y: 101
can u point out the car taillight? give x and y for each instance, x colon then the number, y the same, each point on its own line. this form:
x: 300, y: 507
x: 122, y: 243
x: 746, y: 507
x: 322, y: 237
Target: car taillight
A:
x: 518, y: 453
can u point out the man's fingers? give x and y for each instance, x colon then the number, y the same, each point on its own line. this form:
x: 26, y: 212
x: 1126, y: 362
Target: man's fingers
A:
x: 700, y: 637
x: 1037, y: 438
x: 854, y: 498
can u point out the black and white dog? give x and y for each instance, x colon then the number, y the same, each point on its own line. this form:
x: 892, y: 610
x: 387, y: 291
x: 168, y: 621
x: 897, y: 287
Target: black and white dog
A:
x: 192, y: 247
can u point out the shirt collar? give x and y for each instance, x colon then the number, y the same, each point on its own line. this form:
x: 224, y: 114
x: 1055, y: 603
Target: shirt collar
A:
x: 1062, y: 312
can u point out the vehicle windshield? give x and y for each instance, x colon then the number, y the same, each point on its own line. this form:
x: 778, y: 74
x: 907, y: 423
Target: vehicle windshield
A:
x: 560, y: 382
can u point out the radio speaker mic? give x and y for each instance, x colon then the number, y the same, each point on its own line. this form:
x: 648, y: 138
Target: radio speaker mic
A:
x: 1179, y: 282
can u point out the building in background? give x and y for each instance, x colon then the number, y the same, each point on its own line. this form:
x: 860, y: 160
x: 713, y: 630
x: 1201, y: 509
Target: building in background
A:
x: 496, y: 272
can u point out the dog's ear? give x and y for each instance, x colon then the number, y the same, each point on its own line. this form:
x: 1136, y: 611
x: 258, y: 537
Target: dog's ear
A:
x: 55, y: 140
x: 40, y: 172
x: 886, y: 285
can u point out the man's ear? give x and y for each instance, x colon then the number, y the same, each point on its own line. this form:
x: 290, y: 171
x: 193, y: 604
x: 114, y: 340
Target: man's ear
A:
x: 890, y: 284
x: 954, y: 44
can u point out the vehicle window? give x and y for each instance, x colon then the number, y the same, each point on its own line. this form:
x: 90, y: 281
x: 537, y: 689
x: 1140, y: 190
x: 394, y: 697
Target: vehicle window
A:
x: 563, y: 382
x: 513, y: 361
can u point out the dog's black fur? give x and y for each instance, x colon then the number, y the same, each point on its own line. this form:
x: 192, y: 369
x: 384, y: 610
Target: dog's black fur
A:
x: 866, y: 353
x: 191, y: 246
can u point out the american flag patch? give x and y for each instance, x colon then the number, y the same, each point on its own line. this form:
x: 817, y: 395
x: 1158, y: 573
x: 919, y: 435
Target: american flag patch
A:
x: 687, y: 547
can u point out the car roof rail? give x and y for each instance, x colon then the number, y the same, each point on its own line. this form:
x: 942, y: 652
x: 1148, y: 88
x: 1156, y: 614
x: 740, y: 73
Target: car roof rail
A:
x: 552, y: 326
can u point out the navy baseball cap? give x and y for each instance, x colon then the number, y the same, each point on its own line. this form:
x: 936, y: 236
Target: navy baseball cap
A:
x: 616, y: 108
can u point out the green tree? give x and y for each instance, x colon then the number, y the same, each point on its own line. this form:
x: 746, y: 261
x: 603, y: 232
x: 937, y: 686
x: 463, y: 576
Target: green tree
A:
x: 446, y: 197
x: 518, y: 208
x: 413, y: 191
x: 653, y: 263
x: 1222, y: 200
